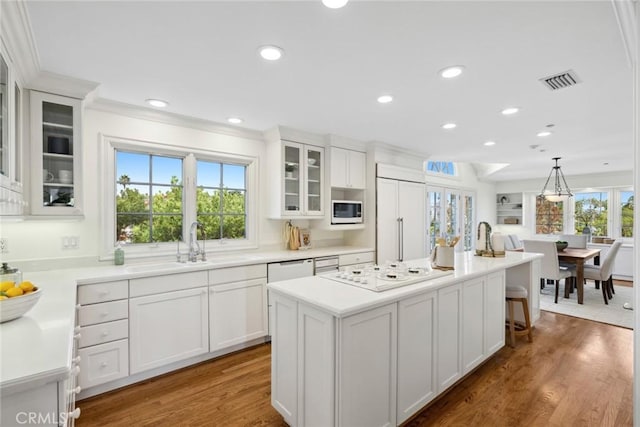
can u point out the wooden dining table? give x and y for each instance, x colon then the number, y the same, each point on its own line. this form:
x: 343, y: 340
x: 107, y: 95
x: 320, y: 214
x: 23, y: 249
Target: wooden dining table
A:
x: 578, y: 256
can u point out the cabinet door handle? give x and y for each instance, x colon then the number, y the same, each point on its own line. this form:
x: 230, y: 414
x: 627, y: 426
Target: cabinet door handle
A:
x: 76, y: 360
x: 75, y: 414
x: 76, y: 390
x: 77, y: 336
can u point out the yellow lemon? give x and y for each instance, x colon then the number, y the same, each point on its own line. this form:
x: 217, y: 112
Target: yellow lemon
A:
x: 26, y: 286
x: 6, y: 285
x: 2, y: 297
x: 14, y: 292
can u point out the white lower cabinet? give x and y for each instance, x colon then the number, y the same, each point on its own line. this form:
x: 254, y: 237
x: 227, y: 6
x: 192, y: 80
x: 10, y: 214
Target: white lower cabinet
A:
x: 167, y: 328
x: 417, y: 332
x: 494, y: 297
x: 367, y: 359
x: 284, y: 360
x: 103, y: 363
x: 449, y: 346
x: 238, y: 312
x: 473, y: 310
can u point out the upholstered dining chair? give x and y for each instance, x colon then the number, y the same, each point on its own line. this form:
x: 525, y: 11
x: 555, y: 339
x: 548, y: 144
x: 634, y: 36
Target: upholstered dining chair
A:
x: 603, y: 272
x: 574, y: 240
x: 550, y: 266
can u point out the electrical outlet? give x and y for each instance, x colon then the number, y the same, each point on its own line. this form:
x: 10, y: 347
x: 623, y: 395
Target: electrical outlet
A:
x: 70, y: 242
x: 4, y: 245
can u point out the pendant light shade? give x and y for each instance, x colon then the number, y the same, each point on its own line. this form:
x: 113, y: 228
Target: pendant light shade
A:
x: 560, y: 190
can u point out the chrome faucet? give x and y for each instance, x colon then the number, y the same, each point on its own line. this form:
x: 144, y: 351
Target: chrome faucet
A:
x: 194, y: 246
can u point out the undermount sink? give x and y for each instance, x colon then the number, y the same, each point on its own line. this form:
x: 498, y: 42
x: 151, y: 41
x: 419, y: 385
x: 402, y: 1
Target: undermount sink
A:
x: 141, y: 268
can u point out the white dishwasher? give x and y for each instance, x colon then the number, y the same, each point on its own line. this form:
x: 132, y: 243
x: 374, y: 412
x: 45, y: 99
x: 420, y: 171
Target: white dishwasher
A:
x: 285, y: 270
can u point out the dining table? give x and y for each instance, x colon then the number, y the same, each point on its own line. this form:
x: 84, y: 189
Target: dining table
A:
x: 578, y: 256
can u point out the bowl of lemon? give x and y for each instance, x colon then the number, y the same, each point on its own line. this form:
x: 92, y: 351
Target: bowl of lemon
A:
x: 17, y: 299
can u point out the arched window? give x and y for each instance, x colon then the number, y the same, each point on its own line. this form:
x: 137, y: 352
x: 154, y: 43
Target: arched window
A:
x: 444, y: 168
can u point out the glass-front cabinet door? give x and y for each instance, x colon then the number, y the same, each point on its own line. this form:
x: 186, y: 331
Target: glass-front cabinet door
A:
x: 55, y: 122
x: 292, y: 174
x: 314, y: 163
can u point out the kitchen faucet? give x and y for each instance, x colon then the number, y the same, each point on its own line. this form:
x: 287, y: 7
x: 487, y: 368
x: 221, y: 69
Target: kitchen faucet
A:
x: 194, y: 246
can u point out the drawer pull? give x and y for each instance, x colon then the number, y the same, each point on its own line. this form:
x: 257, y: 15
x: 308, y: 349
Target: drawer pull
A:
x: 104, y: 364
x: 104, y: 333
x: 77, y: 306
x: 104, y: 313
x: 75, y: 414
x: 104, y: 292
x: 77, y: 390
x: 77, y: 336
x: 76, y: 360
x: 75, y: 371
x: 76, y: 329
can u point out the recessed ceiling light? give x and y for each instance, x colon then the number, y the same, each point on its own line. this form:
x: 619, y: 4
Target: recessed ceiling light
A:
x: 271, y: 53
x: 334, y: 4
x: 451, y: 72
x: 490, y: 143
x: 235, y: 120
x: 449, y: 126
x: 544, y: 133
x: 511, y: 110
x: 157, y: 103
x: 385, y: 99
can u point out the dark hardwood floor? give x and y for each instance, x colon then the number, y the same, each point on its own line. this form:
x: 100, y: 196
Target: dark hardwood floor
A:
x: 576, y: 373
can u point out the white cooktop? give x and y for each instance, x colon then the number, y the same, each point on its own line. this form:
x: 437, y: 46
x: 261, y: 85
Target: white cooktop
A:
x: 378, y: 281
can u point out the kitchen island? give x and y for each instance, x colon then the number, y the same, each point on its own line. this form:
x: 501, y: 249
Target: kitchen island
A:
x: 347, y: 356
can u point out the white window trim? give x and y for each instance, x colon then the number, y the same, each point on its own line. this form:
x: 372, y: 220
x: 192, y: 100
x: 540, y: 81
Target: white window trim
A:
x: 107, y: 148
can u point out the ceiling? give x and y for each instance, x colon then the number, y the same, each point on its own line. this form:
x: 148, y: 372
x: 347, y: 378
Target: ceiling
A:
x: 202, y: 57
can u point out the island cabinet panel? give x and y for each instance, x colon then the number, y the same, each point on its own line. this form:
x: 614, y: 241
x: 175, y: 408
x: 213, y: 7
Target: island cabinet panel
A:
x: 367, y: 363
x: 284, y: 358
x: 417, y: 323
x: 494, y: 315
x: 473, y: 313
x: 316, y: 361
x: 449, y: 336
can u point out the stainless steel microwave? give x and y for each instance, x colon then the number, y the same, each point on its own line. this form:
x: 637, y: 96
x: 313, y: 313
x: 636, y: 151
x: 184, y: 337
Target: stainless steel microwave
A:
x: 346, y: 212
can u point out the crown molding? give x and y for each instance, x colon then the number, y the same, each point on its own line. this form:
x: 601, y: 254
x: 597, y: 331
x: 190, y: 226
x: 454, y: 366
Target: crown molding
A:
x: 142, y: 113
x: 16, y: 34
x: 626, y: 17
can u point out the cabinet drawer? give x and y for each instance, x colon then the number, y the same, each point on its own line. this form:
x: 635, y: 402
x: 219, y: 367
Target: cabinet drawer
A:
x: 103, y: 363
x: 102, y: 292
x: 104, y: 312
x: 237, y: 274
x: 167, y: 283
x: 359, y: 258
x: 104, y: 332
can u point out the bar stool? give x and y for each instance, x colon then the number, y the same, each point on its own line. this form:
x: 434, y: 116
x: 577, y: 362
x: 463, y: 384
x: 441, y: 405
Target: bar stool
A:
x: 518, y: 293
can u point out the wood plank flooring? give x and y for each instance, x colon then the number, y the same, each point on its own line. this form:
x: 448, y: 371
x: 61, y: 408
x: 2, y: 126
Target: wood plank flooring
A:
x: 576, y: 373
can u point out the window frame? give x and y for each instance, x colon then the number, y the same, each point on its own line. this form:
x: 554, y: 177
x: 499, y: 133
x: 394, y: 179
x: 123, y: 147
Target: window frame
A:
x: 109, y: 145
x: 455, y: 176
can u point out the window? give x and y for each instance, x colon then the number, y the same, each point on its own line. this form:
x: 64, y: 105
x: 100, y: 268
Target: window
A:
x: 626, y: 213
x: 549, y: 216
x: 148, y: 198
x: 444, y: 168
x: 591, y: 211
x: 221, y: 199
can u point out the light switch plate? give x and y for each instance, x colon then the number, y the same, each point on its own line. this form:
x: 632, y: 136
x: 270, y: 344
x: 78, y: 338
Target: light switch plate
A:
x: 4, y: 245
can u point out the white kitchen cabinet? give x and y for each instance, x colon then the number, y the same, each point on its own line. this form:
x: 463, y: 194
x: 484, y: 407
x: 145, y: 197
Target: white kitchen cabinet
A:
x: 401, y: 225
x: 103, y: 363
x: 238, y: 313
x: 417, y: 332
x: 449, y: 367
x: 356, y: 259
x: 56, y: 155
x: 348, y: 168
x: 367, y: 359
x: 473, y: 318
x: 168, y: 327
x: 284, y: 358
x: 494, y: 312
x: 45, y: 405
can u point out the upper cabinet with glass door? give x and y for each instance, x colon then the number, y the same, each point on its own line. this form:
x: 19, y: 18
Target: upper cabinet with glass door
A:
x: 300, y: 181
x: 56, y: 146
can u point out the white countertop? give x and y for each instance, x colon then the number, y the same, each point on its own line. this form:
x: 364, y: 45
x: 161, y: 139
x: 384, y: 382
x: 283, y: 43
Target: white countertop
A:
x: 36, y: 348
x: 342, y: 300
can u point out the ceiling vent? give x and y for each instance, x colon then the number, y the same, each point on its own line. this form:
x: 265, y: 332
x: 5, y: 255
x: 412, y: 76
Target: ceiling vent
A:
x: 562, y: 80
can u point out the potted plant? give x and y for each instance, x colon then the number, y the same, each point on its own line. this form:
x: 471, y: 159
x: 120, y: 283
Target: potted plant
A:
x: 289, y: 168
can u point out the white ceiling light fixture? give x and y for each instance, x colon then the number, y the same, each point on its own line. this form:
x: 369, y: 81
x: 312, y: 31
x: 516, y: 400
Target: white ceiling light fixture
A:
x: 271, y: 52
x: 449, y: 126
x: 543, y: 133
x: 451, y: 72
x: 385, y: 99
x: 159, y: 103
x: 560, y: 190
x: 510, y: 111
x: 490, y: 143
x: 334, y: 4
x: 235, y: 120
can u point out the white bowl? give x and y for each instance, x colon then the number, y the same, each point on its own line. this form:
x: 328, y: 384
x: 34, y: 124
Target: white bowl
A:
x: 12, y: 308
x: 311, y: 161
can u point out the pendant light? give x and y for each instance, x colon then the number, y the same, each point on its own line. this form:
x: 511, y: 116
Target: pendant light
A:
x: 561, y: 190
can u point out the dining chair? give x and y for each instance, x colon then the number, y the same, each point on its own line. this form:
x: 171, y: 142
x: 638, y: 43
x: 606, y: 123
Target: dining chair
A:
x: 550, y: 266
x: 574, y: 240
x: 604, y: 272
